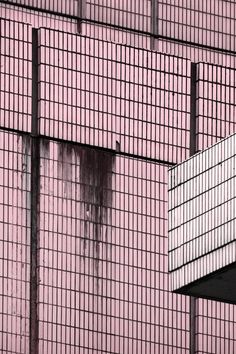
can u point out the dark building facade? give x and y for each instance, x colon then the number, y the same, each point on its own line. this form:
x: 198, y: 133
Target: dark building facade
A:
x: 98, y: 100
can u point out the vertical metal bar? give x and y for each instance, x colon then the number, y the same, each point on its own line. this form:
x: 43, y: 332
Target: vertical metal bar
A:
x: 34, y: 82
x: 193, y: 144
x: 193, y: 301
x: 154, y: 22
x: 81, y: 4
x: 193, y: 109
x: 154, y: 17
x: 34, y: 200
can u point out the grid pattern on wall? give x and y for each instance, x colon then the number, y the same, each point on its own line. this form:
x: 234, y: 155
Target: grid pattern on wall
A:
x: 195, y: 53
x: 103, y: 262
x: 15, y: 75
x: 208, y: 22
x: 49, y: 20
x: 203, y: 202
x: 14, y: 242
x: 215, y: 104
x: 69, y: 7
x: 109, y: 95
x: 118, y: 35
x: 162, y: 25
x: 37, y: 18
x: 133, y: 14
x: 154, y: 315
x: 171, y: 322
x: 215, y: 327
x: 201, y: 213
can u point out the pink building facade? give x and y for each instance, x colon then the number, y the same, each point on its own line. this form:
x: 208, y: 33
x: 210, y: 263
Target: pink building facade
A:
x: 98, y: 100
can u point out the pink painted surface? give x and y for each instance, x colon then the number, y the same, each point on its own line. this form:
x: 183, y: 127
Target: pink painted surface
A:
x: 14, y: 242
x: 99, y: 271
x: 103, y: 281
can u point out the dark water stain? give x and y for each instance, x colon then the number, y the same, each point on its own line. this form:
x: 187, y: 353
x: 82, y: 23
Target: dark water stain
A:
x: 24, y: 185
x: 96, y: 196
x: 45, y: 148
x: 24, y: 149
x: 45, y: 161
x: 65, y: 153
